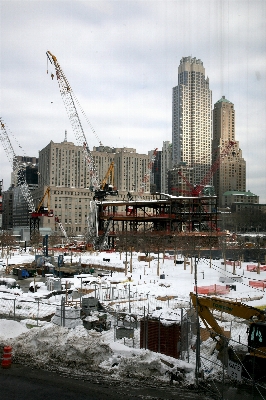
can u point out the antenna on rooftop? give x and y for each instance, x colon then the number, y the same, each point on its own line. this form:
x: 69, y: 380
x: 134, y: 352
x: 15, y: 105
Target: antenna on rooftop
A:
x: 65, y: 136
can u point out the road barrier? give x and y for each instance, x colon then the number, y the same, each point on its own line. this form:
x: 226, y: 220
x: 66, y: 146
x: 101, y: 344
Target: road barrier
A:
x: 7, y: 357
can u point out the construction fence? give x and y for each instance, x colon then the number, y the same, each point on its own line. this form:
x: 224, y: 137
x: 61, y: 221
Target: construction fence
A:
x: 178, y: 339
x: 18, y: 309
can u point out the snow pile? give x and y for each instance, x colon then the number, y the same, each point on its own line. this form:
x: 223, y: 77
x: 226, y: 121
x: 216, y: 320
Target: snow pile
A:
x: 167, y: 316
x: 143, y: 364
x: 54, y: 347
x: 10, y: 329
x: 81, y: 351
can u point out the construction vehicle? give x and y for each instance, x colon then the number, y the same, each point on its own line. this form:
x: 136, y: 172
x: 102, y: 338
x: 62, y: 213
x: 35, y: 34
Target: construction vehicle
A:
x: 105, y: 187
x: 254, y: 360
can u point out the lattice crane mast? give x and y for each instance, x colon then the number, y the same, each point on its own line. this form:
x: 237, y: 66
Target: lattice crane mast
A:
x: 57, y: 220
x: 41, y: 210
x: 4, y: 138
x: 68, y: 100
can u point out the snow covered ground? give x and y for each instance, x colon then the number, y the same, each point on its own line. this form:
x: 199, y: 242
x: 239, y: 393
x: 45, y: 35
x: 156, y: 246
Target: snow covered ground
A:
x: 158, y: 288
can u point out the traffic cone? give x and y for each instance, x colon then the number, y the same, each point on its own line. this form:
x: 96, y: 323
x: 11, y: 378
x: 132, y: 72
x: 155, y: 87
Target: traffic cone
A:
x: 7, y: 357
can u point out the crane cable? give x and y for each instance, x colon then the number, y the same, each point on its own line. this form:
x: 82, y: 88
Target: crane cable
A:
x: 86, y: 118
x: 68, y: 100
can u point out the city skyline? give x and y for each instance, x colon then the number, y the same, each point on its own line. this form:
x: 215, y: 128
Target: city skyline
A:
x: 121, y: 59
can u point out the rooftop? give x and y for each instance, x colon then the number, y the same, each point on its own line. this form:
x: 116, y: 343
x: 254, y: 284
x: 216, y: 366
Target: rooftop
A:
x: 223, y: 100
x: 235, y: 192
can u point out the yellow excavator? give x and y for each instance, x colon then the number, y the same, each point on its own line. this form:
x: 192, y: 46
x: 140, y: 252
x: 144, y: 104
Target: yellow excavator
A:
x: 254, y: 360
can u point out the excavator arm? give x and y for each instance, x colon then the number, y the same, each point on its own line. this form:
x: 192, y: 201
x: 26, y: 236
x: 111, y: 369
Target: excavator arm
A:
x: 216, y: 332
x: 255, y: 317
x: 235, y: 308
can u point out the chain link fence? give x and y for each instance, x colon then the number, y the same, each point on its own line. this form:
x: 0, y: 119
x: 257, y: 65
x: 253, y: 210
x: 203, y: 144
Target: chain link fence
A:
x: 18, y: 309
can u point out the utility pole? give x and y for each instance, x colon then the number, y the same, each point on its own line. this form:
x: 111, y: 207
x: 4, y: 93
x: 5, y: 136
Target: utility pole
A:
x: 197, y: 370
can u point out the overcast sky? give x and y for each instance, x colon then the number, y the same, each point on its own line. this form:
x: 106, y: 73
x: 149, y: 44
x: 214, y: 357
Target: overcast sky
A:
x: 121, y: 59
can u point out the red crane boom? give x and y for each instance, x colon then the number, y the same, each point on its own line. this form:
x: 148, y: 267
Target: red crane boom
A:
x: 196, y: 190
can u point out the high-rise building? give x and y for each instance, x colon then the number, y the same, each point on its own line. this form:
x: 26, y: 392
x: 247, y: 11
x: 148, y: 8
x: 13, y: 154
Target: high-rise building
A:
x: 28, y: 168
x: 192, y: 118
x: 130, y: 170
x: 231, y: 174
x: 15, y: 207
x: 166, y: 164
x: 156, y: 184
x: 63, y: 168
x: 7, y: 221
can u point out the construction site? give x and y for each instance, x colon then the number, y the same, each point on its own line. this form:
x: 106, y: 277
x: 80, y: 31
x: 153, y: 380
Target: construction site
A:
x: 164, y: 217
x: 111, y: 214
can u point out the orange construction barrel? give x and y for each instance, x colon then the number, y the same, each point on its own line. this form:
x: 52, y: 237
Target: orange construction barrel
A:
x: 7, y: 357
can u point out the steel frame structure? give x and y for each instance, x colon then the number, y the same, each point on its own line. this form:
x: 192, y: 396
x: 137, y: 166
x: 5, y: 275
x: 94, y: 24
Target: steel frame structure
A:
x: 164, y: 216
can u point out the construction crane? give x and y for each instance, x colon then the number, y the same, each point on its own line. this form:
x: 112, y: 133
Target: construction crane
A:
x: 15, y: 165
x: 109, y: 174
x: 101, y: 242
x: 105, y: 187
x: 197, y: 190
x: 146, y: 177
x: 40, y: 211
x: 92, y: 221
x: 68, y: 100
x: 57, y: 220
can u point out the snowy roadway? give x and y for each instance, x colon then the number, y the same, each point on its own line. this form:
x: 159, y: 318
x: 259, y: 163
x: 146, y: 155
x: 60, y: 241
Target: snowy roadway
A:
x: 24, y: 383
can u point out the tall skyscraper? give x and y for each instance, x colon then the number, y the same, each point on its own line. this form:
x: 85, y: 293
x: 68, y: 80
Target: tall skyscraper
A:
x: 231, y: 174
x: 192, y: 118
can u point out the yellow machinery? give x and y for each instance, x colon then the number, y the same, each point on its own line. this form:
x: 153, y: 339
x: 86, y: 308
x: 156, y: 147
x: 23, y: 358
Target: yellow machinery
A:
x: 256, y: 330
x: 41, y: 210
x: 107, y: 185
x: 109, y: 174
